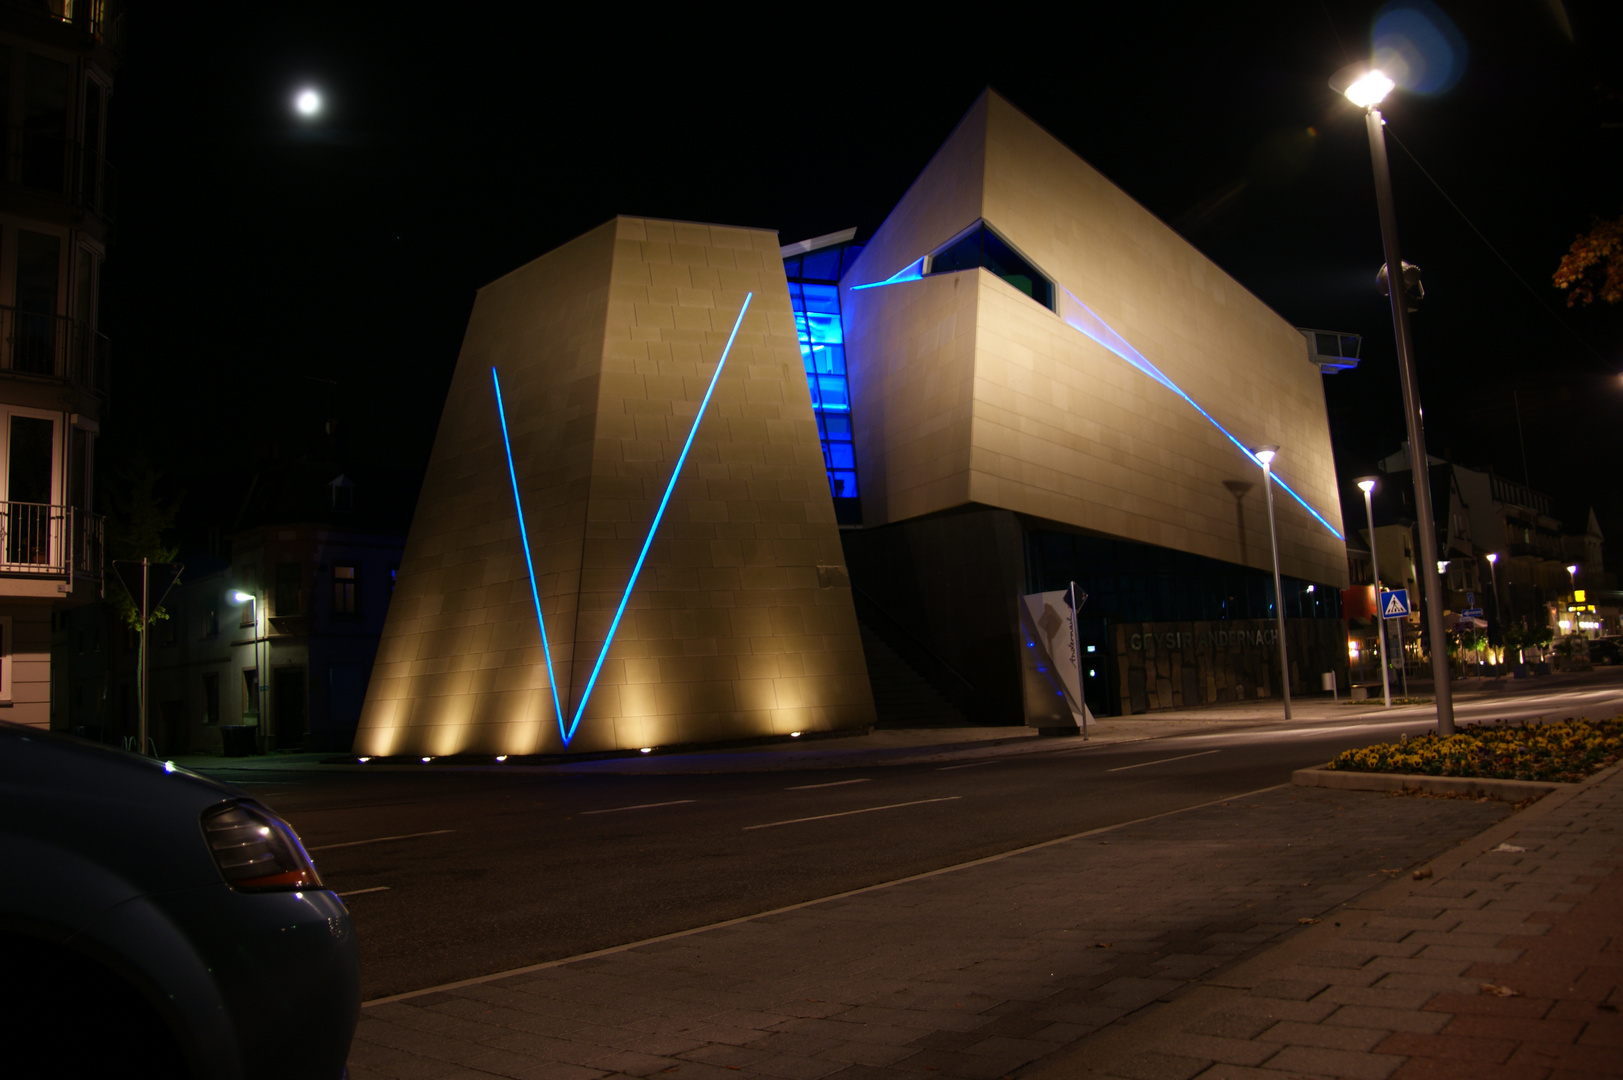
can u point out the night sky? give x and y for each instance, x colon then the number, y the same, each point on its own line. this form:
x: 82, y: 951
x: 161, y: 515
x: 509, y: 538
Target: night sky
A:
x: 270, y: 273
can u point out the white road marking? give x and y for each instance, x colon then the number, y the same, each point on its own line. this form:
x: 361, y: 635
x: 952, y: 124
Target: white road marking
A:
x: 848, y: 813
x: 380, y: 840
x: 1162, y: 761
x: 832, y: 783
x: 972, y: 765
x: 360, y: 892
x: 639, y: 806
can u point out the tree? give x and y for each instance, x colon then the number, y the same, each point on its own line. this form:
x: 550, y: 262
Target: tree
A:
x: 138, y: 526
x: 1594, y: 262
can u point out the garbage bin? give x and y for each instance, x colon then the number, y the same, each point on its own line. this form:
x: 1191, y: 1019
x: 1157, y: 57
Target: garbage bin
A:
x: 238, y: 739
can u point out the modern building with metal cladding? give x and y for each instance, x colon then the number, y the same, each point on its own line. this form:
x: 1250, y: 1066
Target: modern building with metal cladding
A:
x: 750, y: 488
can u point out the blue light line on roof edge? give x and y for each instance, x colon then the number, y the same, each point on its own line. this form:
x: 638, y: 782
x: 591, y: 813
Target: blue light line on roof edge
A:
x: 1086, y: 321
x: 911, y: 272
x: 524, y: 541
x: 659, y: 515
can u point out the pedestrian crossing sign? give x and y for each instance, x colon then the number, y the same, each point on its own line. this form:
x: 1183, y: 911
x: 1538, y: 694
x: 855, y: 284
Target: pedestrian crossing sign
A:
x: 1395, y: 604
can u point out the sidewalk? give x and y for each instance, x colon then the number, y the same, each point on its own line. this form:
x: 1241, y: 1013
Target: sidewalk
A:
x: 1038, y: 956
x: 1505, y: 962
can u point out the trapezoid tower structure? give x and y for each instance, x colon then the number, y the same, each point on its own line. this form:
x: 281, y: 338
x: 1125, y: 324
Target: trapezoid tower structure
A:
x: 625, y: 537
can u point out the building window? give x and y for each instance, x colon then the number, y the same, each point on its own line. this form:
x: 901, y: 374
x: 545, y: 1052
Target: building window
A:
x: 344, y: 590
x: 211, y: 698
x: 289, y: 588
x: 814, y: 293
x: 249, y: 617
x: 211, y: 621
x: 394, y: 577
x: 981, y: 247
x: 250, y: 692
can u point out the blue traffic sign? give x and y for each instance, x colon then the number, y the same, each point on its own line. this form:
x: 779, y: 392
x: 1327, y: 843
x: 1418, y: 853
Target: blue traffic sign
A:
x: 1395, y: 604
x: 1472, y: 613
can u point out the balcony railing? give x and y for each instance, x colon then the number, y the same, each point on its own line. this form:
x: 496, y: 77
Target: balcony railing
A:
x: 50, y: 541
x: 53, y: 347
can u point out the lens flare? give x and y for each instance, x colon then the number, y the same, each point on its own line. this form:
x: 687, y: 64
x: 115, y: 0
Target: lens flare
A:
x: 1418, y: 46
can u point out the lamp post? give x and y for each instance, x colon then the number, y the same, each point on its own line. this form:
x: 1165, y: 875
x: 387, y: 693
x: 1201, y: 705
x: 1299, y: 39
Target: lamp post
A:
x: 1366, y: 88
x: 240, y: 597
x: 1367, y: 485
x: 1493, y: 576
x: 1265, y: 456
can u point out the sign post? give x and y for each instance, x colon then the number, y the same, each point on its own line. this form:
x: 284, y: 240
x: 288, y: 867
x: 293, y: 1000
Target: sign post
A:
x: 1076, y: 657
x: 1395, y: 605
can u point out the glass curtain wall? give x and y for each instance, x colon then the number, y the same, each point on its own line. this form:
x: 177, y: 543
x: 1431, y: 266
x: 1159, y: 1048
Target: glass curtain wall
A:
x: 814, y: 292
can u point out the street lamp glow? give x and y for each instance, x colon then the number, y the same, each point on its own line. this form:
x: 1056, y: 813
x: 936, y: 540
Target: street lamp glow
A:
x: 240, y: 597
x: 1573, y: 569
x: 1369, y: 89
x: 1493, y: 557
x: 1265, y: 454
x: 1367, y: 484
x: 308, y: 103
x: 1442, y: 566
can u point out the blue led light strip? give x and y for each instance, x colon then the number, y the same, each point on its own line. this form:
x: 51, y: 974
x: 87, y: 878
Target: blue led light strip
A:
x: 524, y: 541
x: 911, y: 272
x: 654, y: 525
x: 1087, y: 321
x: 1083, y: 318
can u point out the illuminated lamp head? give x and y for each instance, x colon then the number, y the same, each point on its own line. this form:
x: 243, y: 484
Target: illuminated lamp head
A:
x: 240, y: 597
x: 1493, y: 557
x: 1366, y: 484
x: 1266, y: 455
x: 1362, y: 85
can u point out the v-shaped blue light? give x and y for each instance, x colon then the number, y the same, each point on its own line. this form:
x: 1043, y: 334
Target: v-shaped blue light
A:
x: 568, y: 732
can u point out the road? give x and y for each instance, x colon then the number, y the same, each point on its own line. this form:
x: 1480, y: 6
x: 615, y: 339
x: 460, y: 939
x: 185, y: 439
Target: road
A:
x: 457, y: 874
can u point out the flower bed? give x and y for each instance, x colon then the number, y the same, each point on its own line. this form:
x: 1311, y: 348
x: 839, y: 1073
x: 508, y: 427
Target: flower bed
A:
x: 1564, y: 752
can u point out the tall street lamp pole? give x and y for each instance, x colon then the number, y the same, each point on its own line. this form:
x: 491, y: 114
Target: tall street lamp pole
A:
x: 1367, y: 485
x: 1493, y: 575
x: 1366, y: 90
x: 1265, y: 457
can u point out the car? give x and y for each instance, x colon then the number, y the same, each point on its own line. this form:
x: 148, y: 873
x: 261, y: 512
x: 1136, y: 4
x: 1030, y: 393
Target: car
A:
x: 158, y: 923
x: 1605, y: 650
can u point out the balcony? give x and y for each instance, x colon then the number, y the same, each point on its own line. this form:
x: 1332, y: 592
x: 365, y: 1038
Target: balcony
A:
x: 39, y: 540
x: 46, y: 161
x: 53, y: 347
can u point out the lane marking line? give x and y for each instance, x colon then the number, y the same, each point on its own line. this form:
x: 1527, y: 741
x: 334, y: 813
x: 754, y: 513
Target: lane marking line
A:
x: 848, y: 813
x: 974, y: 765
x: 380, y: 840
x: 545, y: 965
x: 833, y: 783
x: 639, y: 806
x: 362, y: 892
x: 1163, y: 761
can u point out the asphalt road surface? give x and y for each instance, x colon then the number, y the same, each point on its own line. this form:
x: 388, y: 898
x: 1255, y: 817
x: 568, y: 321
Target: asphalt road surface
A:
x: 457, y: 874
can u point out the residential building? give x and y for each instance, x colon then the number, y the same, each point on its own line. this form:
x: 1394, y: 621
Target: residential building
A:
x: 57, y: 64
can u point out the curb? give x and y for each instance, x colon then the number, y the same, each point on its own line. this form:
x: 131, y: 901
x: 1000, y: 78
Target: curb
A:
x: 1510, y: 790
x: 1108, y: 1051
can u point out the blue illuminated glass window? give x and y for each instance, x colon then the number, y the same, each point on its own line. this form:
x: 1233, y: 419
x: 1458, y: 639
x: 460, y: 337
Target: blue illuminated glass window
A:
x: 814, y: 292
x: 983, y: 247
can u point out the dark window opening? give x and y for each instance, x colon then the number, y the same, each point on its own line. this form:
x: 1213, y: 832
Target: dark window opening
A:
x: 45, y: 123
x: 211, y: 698
x: 289, y: 588
x: 344, y: 590
x: 983, y: 247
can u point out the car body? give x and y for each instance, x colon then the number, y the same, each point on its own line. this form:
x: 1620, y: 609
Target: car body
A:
x: 162, y: 923
x: 1606, y: 650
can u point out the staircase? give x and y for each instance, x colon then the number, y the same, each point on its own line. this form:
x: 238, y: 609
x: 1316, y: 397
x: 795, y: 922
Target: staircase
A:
x: 902, y: 696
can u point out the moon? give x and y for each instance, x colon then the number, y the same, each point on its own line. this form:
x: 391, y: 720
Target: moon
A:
x: 308, y: 102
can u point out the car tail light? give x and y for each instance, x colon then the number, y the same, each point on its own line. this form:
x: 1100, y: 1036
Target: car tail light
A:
x: 255, y: 849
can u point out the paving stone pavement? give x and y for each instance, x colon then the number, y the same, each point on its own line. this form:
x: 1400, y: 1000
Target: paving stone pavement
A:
x: 1506, y: 963
x: 973, y: 972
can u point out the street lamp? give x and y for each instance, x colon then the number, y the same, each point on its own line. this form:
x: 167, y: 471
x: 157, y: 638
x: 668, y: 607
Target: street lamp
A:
x: 1366, y: 484
x: 240, y: 597
x: 1366, y: 88
x: 1265, y: 456
x: 1493, y: 576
